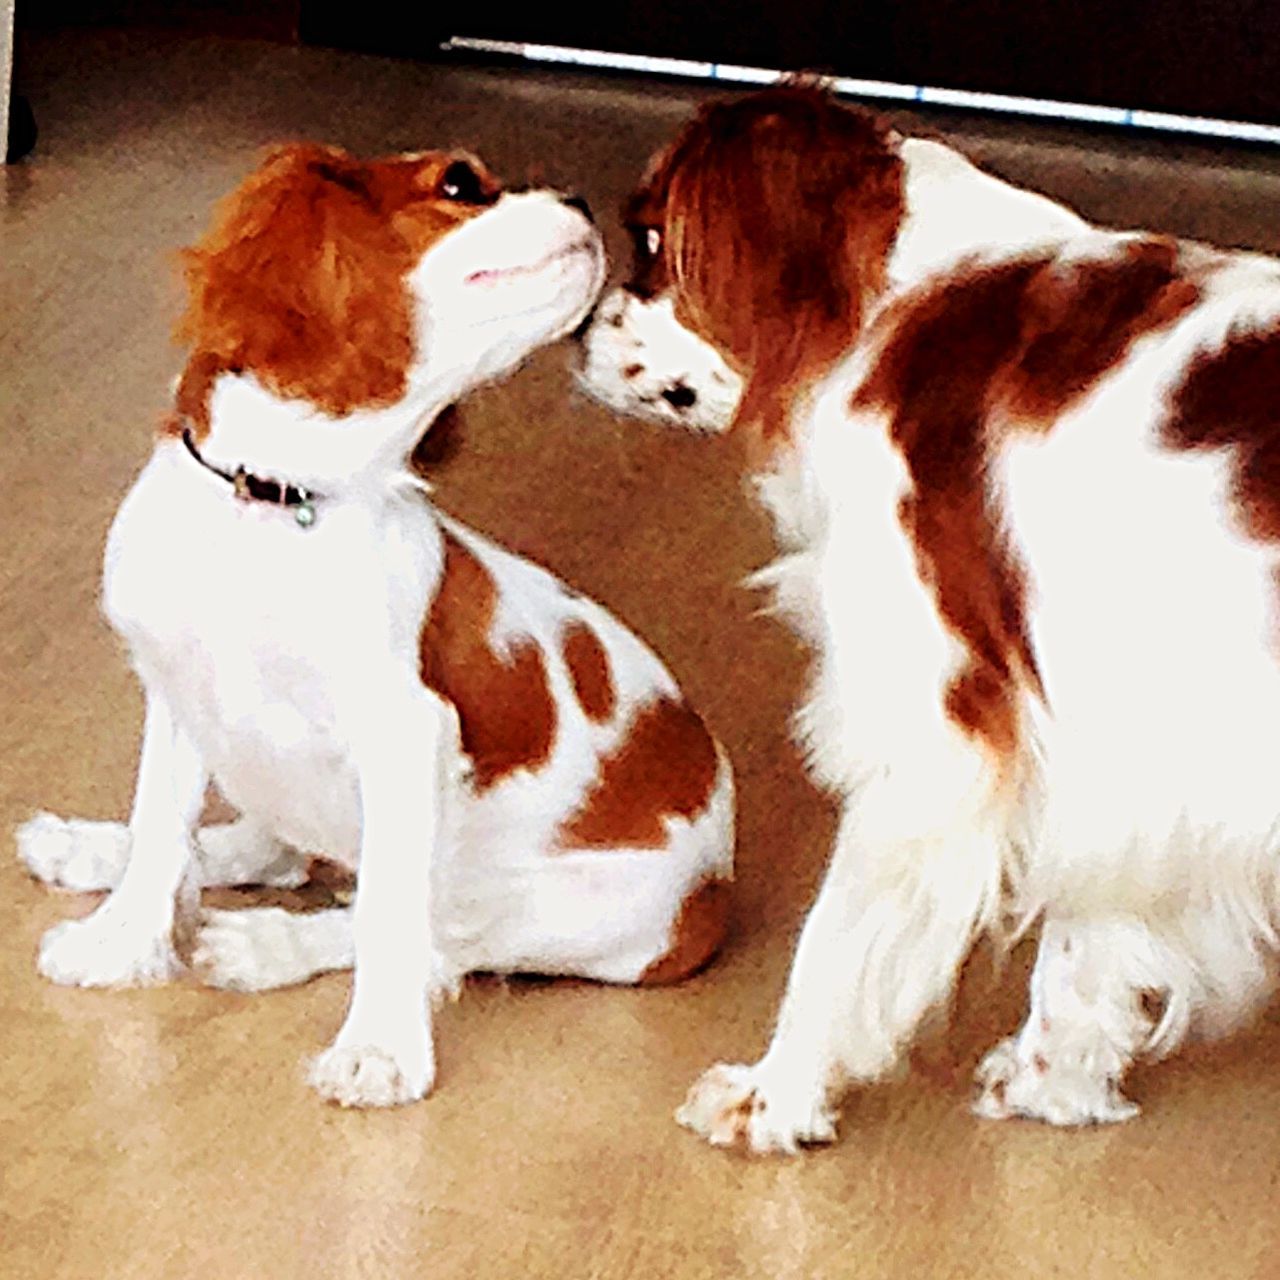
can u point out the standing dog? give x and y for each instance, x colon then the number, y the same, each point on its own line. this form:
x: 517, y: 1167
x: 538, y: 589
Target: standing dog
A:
x: 516, y: 776
x: 1026, y: 475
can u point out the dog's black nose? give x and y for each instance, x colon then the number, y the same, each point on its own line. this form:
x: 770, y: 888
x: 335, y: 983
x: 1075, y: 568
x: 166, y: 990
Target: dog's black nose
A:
x: 580, y: 203
x: 680, y: 396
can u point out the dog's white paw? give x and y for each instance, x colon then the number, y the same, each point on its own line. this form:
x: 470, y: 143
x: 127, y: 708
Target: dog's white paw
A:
x: 1057, y: 1092
x: 105, y: 951
x: 369, y: 1075
x: 73, y: 853
x: 257, y: 949
x: 733, y: 1104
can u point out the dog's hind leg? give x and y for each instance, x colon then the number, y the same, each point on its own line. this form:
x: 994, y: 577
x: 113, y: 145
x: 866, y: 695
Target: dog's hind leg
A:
x: 1106, y: 991
x: 245, y: 852
x: 1086, y: 1024
x: 261, y: 948
x: 84, y: 855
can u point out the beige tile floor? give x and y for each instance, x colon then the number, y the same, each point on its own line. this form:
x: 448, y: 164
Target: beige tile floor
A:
x: 168, y: 1133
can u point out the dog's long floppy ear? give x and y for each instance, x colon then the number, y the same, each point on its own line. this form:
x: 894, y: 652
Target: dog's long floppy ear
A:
x: 300, y: 281
x: 780, y: 213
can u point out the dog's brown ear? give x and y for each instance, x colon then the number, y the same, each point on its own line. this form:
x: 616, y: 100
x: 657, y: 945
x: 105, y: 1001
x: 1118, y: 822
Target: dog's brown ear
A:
x: 781, y: 210
x: 301, y: 281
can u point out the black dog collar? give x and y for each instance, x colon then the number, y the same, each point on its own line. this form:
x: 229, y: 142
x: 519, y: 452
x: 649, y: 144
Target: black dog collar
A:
x: 251, y: 488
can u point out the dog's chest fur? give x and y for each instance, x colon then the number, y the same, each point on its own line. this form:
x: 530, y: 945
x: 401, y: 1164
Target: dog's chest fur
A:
x: 260, y: 633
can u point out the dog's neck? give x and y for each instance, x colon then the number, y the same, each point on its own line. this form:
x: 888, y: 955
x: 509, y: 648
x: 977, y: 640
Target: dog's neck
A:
x: 290, y: 442
x: 956, y: 211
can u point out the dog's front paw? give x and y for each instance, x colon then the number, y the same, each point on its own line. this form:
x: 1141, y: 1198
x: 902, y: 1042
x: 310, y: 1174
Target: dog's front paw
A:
x: 733, y: 1104
x: 1055, y: 1091
x: 104, y: 951
x: 371, y: 1075
x: 257, y: 949
x: 72, y: 853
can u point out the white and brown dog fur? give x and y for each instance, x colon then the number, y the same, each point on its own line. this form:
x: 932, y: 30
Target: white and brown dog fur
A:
x: 516, y: 777
x: 1026, y: 480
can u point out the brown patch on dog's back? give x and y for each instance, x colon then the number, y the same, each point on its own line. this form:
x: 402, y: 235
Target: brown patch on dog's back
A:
x: 1011, y: 346
x: 1079, y: 322
x: 588, y: 665
x: 506, y: 712
x: 698, y: 933
x: 1230, y: 398
x: 664, y: 767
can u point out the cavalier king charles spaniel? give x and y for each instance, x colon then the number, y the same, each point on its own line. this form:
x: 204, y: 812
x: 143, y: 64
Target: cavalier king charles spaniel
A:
x: 515, y: 775
x: 1026, y: 479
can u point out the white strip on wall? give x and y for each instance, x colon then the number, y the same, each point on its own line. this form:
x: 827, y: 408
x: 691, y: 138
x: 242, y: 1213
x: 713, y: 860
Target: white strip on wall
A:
x: 6, y: 72
x: 880, y: 89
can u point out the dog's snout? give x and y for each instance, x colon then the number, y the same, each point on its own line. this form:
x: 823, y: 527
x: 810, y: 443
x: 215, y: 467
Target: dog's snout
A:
x: 680, y: 396
x: 580, y: 203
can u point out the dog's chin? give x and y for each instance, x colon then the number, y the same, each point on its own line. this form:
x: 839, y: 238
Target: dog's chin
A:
x: 590, y: 262
x: 560, y: 297
x: 578, y: 253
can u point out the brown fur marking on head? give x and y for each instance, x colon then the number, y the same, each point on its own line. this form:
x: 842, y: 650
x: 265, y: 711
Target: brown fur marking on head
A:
x: 506, y: 711
x: 301, y: 279
x: 778, y: 212
x: 664, y: 767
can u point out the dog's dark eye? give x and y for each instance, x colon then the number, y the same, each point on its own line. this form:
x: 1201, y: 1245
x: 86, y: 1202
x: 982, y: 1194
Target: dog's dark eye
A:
x: 647, y: 240
x: 649, y: 274
x: 463, y: 184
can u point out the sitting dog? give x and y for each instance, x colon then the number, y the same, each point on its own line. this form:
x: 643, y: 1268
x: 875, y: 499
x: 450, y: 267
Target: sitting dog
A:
x: 516, y: 776
x: 1026, y: 478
